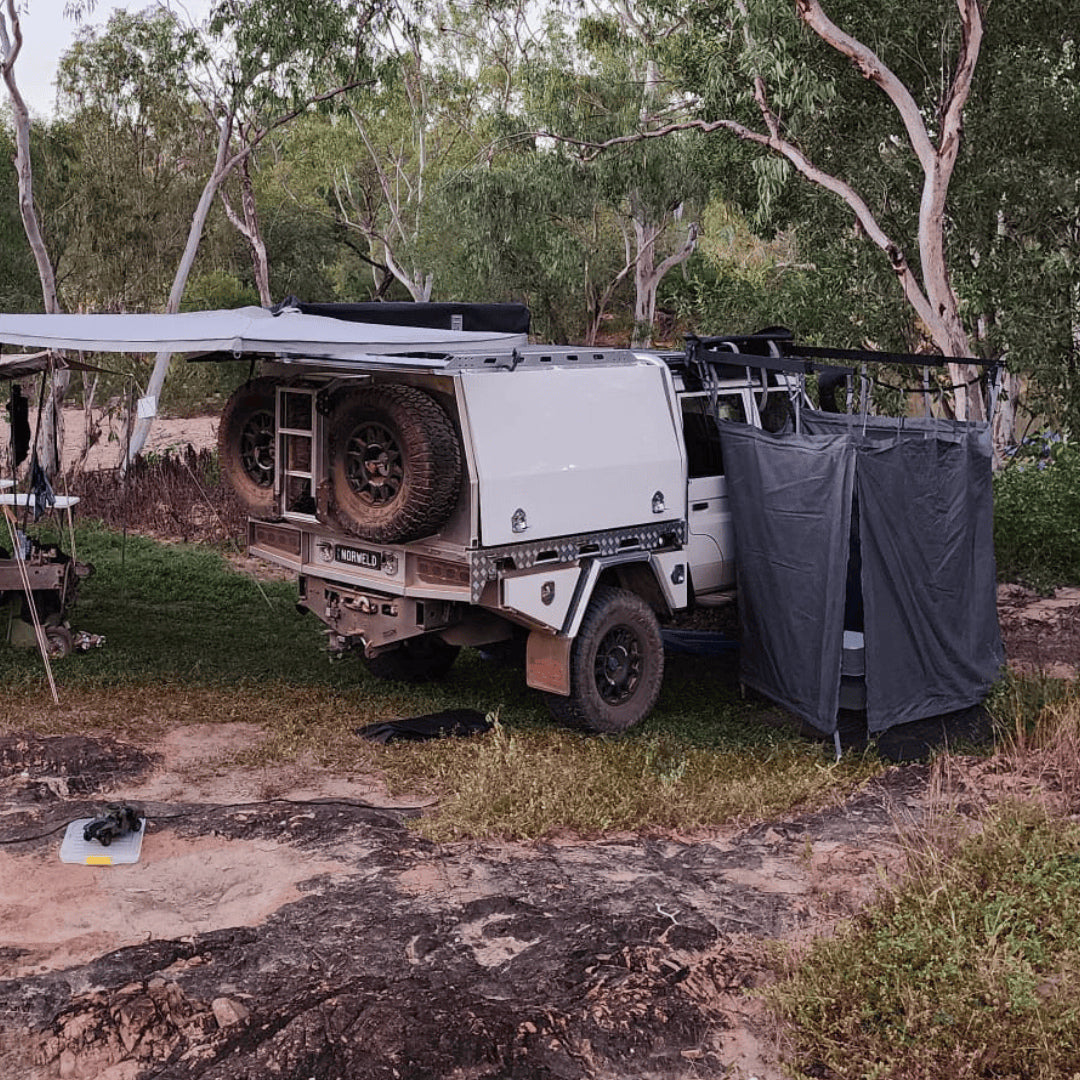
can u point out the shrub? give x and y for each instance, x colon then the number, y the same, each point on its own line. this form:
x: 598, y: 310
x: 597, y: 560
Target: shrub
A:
x: 178, y: 495
x: 1037, y: 514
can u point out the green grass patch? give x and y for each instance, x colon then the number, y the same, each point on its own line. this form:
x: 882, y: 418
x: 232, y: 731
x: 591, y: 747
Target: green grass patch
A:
x: 523, y: 783
x: 969, y: 968
x: 179, y: 612
x: 191, y: 640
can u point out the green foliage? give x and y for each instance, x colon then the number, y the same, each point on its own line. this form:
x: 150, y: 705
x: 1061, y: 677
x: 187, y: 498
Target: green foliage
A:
x: 1017, y: 201
x: 20, y: 287
x: 534, y: 238
x: 967, y: 968
x: 136, y: 161
x: 1037, y: 516
x: 1013, y: 201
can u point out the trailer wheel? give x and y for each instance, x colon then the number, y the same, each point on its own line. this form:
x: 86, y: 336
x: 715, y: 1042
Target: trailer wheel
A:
x: 419, y: 659
x: 395, y: 464
x: 246, y: 444
x: 59, y: 642
x: 616, y: 664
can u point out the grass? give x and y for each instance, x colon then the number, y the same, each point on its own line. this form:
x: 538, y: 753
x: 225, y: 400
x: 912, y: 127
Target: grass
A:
x: 188, y: 639
x: 967, y: 965
x: 524, y: 783
x: 963, y: 967
x: 967, y: 970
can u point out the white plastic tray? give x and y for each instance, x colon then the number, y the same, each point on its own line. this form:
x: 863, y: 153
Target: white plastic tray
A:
x: 124, y: 849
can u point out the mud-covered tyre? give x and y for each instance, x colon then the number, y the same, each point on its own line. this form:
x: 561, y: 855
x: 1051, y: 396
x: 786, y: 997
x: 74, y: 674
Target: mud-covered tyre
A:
x: 395, y: 465
x: 59, y: 642
x: 616, y: 664
x: 419, y: 659
x: 246, y: 444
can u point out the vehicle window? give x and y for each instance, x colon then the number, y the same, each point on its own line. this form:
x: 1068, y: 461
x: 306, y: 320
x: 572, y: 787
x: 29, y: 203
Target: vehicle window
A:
x: 704, y: 457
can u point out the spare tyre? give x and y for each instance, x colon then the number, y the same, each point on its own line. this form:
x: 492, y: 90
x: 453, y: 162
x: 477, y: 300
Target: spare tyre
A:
x: 246, y: 444
x: 395, y: 464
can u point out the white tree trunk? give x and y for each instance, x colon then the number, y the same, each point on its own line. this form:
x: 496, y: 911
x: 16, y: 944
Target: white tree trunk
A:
x: 248, y: 227
x: 222, y: 167
x: 645, y: 283
x: 648, y: 275
x: 49, y: 451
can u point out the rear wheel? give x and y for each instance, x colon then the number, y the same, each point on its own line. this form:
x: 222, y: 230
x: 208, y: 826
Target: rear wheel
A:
x: 419, y: 659
x: 395, y: 464
x: 246, y: 444
x: 616, y: 664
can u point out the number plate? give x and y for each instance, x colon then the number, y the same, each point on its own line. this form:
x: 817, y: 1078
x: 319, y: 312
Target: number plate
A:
x: 368, y: 560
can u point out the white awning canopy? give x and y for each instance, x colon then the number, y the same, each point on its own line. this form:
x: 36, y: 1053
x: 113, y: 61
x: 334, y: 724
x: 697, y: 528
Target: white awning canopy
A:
x: 240, y: 331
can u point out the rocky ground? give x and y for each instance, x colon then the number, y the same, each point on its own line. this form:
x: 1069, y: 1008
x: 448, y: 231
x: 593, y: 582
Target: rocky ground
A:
x: 315, y: 935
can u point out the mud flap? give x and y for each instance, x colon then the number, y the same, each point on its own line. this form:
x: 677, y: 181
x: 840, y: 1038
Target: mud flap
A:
x: 547, y: 662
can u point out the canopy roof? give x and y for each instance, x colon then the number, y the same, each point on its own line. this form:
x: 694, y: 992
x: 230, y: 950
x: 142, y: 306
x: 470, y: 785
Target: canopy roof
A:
x: 240, y: 331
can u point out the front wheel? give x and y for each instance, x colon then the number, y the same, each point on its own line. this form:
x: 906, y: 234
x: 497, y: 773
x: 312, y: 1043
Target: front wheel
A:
x: 616, y: 664
x: 418, y: 659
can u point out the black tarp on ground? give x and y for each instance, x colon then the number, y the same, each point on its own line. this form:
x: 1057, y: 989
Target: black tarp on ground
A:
x: 925, y: 535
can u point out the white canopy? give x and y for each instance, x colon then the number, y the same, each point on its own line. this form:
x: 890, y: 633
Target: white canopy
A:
x: 242, y: 330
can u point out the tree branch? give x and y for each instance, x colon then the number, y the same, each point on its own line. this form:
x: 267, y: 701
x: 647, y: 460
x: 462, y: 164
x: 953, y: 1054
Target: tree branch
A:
x: 284, y: 118
x: 871, y: 67
x: 237, y: 222
x: 774, y: 141
x: 680, y: 256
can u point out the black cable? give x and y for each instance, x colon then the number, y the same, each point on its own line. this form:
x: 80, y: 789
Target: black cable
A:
x: 388, y: 811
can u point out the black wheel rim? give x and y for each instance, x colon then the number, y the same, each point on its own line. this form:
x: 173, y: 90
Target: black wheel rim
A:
x: 373, y: 464
x: 618, y: 665
x: 257, y: 449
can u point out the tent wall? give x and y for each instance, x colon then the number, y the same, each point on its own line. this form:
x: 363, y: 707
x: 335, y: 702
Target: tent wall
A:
x: 925, y: 494
x: 925, y: 537
x: 791, y: 503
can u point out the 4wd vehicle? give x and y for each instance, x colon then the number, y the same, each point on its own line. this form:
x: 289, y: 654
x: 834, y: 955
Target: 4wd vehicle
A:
x: 575, y: 497
x: 435, y: 482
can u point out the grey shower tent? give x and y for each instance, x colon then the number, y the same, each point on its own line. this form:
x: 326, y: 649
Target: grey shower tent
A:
x: 871, y: 525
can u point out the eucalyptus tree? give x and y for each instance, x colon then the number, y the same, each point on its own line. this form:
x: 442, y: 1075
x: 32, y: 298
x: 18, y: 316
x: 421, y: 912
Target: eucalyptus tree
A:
x: 536, y: 232
x: 940, y: 143
x: 599, y: 79
x: 138, y: 160
x: 253, y: 67
x: 443, y: 75
x: 11, y: 42
x: 867, y: 105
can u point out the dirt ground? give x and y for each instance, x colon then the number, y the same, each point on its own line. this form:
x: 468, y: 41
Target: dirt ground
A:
x: 315, y: 935
x: 104, y: 453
